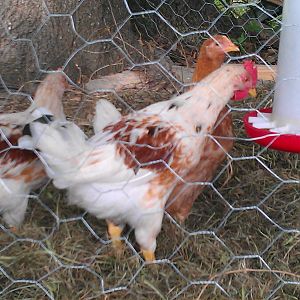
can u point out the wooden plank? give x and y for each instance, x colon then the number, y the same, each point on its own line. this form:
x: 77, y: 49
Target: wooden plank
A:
x: 277, y: 2
x: 137, y: 79
x: 267, y: 72
x: 185, y: 74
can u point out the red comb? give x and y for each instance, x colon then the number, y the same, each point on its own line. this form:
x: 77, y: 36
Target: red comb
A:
x: 252, y: 70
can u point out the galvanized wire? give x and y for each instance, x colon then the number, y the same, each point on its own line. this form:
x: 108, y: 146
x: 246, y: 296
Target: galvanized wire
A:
x: 158, y: 14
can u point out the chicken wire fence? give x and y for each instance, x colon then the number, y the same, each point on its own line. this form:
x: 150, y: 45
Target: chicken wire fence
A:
x: 241, y: 240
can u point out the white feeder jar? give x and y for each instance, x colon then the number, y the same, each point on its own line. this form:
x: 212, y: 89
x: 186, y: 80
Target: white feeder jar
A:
x: 286, y: 105
x: 279, y: 127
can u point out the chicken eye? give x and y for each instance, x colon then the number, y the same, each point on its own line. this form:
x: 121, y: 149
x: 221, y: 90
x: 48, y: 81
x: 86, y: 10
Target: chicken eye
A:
x: 198, y: 128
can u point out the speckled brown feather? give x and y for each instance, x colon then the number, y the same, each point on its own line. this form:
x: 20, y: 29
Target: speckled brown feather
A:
x: 152, y: 150
x: 156, y: 150
x: 181, y: 200
x: 33, y: 171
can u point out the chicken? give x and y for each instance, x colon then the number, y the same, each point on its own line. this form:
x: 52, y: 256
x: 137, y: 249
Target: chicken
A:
x: 21, y: 170
x: 125, y: 173
x: 211, y: 57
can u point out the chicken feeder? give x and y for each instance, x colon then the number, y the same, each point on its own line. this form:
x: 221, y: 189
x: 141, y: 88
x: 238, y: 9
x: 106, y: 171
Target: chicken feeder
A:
x: 279, y: 127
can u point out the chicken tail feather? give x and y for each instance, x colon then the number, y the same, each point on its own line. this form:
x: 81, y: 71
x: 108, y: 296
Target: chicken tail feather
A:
x: 106, y: 113
x: 58, y: 143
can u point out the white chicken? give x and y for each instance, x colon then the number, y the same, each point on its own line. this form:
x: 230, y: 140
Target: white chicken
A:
x: 125, y: 173
x: 21, y: 170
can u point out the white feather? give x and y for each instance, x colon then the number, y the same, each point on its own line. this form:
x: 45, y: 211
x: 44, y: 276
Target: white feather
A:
x: 106, y: 113
x: 13, y: 201
x: 72, y: 160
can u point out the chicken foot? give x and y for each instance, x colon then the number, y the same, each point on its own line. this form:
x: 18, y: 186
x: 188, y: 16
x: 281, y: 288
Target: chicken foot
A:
x: 114, y: 232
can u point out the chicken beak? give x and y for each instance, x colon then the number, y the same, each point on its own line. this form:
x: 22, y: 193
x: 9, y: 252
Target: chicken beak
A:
x: 231, y: 48
x: 252, y: 92
x: 228, y: 45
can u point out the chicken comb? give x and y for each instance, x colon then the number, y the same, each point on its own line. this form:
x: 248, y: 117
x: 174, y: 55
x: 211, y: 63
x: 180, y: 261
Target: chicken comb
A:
x: 252, y: 70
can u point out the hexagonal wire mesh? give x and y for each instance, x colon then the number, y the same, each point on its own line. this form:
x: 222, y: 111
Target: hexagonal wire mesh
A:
x: 241, y: 240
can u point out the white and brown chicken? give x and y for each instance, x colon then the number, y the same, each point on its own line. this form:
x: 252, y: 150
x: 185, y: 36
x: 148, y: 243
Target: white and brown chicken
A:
x: 126, y: 172
x: 21, y: 170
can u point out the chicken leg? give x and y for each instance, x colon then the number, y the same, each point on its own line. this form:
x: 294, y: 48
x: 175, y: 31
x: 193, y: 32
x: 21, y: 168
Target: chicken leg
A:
x: 114, y: 232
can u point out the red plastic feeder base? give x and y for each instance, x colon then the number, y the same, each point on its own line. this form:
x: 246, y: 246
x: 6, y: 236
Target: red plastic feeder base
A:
x: 284, y: 142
